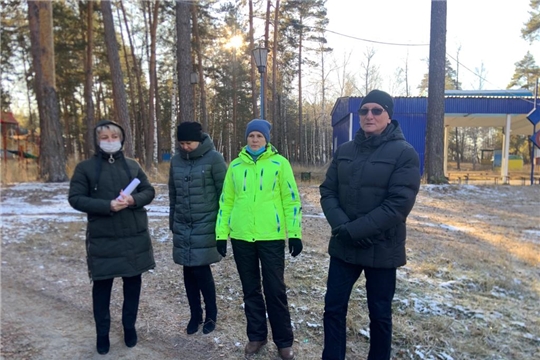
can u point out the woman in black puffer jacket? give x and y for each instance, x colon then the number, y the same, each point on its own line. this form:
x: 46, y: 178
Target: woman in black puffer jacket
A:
x: 195, y: 182
x: 118, y: 243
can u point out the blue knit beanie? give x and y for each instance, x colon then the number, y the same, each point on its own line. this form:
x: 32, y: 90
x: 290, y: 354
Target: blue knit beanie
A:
x: 261, y: 126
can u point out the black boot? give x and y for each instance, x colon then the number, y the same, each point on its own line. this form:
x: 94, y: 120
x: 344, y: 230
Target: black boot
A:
x: 209, y: 326
x: 130, y: 308
x: 101, y: 298
x: 130, y: 337
x: 194, y: 322
x: 103, y: 345
x: 208, y: 290
x: 194, y: 299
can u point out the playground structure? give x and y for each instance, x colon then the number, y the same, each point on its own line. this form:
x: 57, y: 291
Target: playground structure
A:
x: 16, y: 143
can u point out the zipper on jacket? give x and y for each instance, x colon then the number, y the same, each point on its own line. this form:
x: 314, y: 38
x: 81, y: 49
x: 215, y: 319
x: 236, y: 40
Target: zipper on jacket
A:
x: 203, y: 184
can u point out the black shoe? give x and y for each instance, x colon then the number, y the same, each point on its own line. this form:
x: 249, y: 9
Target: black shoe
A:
x: 253, y: 347
x: 130, y: 337
x: 209, y: 326
x: 103, y: 345
x: 193, y: 325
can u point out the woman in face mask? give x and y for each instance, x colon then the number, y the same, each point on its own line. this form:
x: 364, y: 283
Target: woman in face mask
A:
x: 117, y: 239
x: 259, y: 210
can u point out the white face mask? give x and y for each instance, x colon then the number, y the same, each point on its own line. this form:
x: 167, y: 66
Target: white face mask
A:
x: 110, y: 147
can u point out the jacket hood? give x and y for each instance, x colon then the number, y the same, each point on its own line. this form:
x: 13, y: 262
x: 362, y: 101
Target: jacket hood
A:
x: 391, y: 133
x: 103, y: 123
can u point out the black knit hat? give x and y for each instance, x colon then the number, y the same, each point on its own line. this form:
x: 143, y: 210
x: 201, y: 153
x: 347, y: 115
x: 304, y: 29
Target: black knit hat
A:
x: 189, y: 131
x: 381, y: 98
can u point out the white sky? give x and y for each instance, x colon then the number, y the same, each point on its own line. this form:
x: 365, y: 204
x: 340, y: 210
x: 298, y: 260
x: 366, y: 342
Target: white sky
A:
x: 488, y: 31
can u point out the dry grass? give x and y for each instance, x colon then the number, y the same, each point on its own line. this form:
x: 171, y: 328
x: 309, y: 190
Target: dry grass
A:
x: 18, y: 170
x: 15, y: 171
x: 470, y: 289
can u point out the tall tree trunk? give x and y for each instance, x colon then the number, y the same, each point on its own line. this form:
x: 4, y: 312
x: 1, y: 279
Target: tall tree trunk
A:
x: 89, y: 144
x: 52, y: 153
x: 119, y: 91
x: 158, y: 123
x: 198, y: 51
x: 234, y: 124
x: 183, y: 58
x: 323, y: 109
x: 132, y: 109
x: 266, y: 45
x: 300, y: 115
x: 252, y: 75
x: 458, y: 159
x: 145, y: 123
x: 69, y: 135
x: 275, y: 118
x: 434, y: 171
x: 26, y: 58
x: 174, y: 112
x: 150, y: 135
x: 141, y: 108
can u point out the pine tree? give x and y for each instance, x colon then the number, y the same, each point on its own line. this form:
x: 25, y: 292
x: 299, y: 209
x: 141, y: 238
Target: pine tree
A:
x: 434, y: 172
x: 525, y: 74
x: 531, y: 29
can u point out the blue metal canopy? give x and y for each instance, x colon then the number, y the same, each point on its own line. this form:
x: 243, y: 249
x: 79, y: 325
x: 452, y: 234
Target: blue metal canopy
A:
x: 463, y: 108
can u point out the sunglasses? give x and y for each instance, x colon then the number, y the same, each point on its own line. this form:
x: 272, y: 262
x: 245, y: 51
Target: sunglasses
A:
x: 375, y: 111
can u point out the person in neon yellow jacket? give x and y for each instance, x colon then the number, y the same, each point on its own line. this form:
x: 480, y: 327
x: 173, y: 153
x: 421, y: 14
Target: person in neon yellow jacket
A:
x: 259, y: 209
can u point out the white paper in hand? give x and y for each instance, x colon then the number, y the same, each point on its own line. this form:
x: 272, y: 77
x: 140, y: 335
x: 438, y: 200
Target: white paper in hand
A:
x: 129, y: 189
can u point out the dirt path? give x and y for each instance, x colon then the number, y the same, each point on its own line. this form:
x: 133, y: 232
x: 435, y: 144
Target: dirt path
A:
x: 481, y: 239
x: 37, y: 326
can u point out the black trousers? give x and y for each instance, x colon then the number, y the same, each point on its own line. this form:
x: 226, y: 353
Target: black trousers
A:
x: 268, y: 256
x: 380, y: 289
x: 101, y: 297
x: 197, y: 280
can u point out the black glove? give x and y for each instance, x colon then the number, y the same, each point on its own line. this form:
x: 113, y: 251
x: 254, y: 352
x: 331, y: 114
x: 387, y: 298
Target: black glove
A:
x: 342, y: 234
x: 295, y: 246
x: 222, y: 247
x: 364, y: 243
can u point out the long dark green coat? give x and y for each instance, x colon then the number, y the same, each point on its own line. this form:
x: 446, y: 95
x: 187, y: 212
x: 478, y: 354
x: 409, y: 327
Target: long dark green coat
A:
x: 195, y: 183
x: 118, y: 244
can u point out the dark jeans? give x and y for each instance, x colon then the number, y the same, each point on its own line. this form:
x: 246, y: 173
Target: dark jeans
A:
x: 380, y: 289
x: 197, y: 280
x: 271, y: 257
x: 101, y: 297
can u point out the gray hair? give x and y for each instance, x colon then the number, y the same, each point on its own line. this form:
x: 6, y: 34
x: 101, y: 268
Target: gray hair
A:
x: 114, y: 129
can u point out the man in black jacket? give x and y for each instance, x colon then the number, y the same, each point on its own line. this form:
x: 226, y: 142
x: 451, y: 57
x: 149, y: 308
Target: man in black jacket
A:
x: 369, y: 190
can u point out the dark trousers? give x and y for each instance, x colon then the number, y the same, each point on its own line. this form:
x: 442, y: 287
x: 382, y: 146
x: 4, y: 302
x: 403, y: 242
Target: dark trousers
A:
x: 101, y: 297
x: 380, y: 289
x: 197, y: 280
x: 271, y: 257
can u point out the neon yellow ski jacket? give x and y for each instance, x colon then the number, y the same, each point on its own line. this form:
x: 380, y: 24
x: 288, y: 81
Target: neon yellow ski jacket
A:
x: 259, y: 200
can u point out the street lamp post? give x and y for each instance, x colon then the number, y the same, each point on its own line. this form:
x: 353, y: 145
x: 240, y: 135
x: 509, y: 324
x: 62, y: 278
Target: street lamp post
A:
x: 260, y: 55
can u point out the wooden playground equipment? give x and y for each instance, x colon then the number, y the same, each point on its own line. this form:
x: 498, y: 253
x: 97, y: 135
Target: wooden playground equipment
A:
x: 492, y: 176
x: 17, y: 143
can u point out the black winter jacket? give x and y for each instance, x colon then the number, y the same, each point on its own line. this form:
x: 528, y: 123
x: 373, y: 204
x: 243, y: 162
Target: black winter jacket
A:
x: 118, y: 244
x: 371, y: 186
x: 195, y: 183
